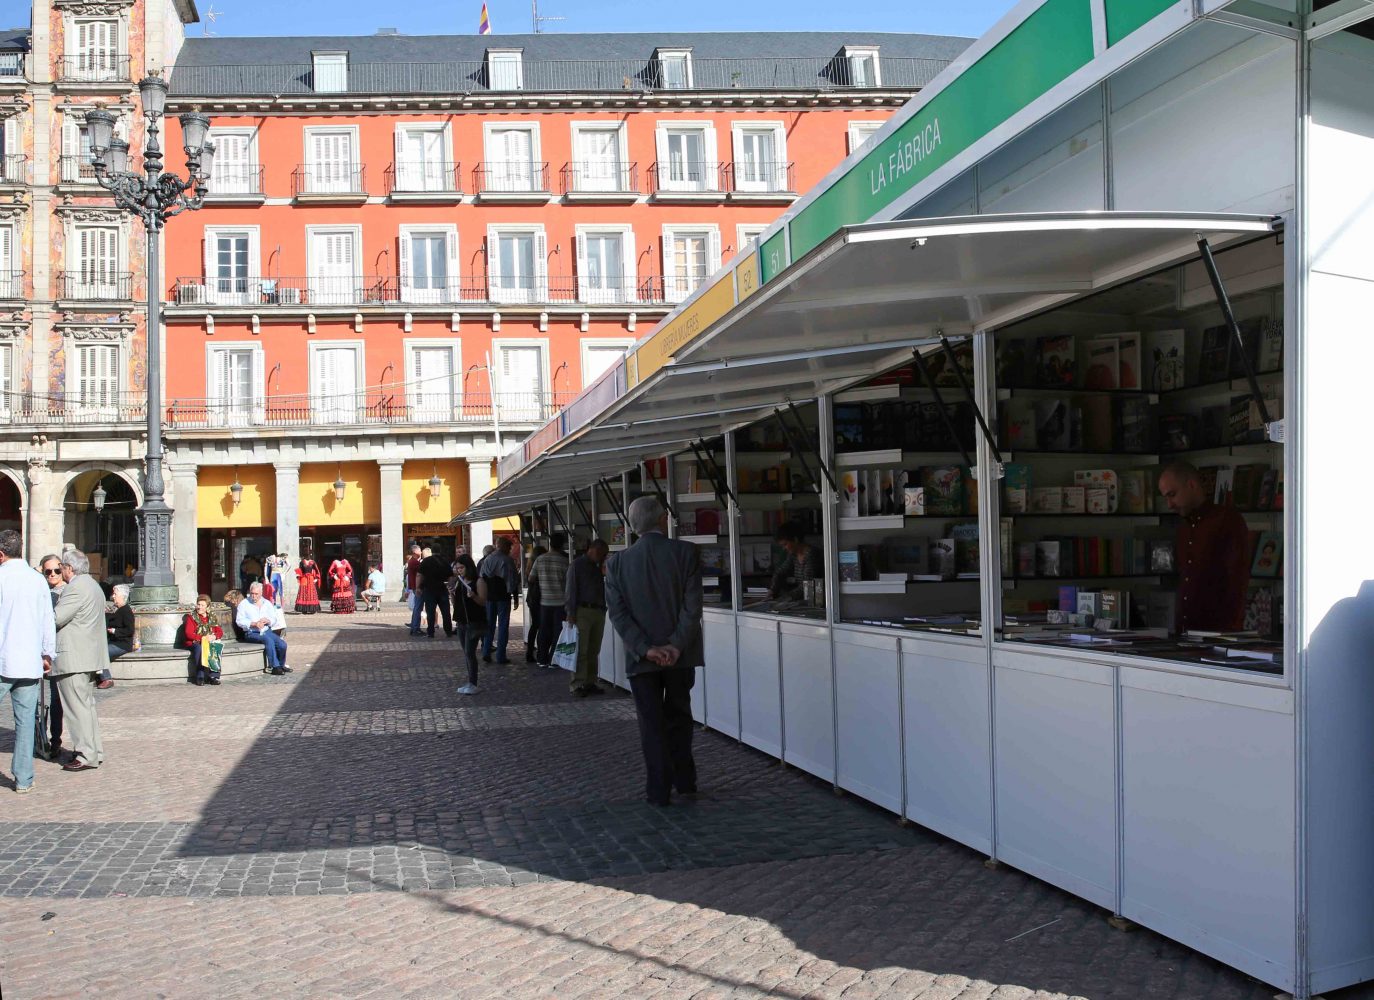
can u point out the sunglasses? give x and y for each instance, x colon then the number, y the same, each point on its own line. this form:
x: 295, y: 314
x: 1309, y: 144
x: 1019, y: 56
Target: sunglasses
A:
x: 52, y: 572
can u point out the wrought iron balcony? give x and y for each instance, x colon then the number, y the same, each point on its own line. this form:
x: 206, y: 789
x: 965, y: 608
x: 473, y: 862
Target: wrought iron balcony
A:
x: 497, y: 178
x: 72, y: 409
x: 231, y: 180
x: 688, y: 179
x: 11, y: 66
x: 421, y: 177
x: 76, y: 169
x: 94, y: 67
x: 11, y: 285
x: 14, y: 169
x: 593, y: 177
x: 326, y: 180
x: 747, y: 178
x: 647, y: 75
x: 386, y: 290
x: 386, y: 406
x: 96, y: 285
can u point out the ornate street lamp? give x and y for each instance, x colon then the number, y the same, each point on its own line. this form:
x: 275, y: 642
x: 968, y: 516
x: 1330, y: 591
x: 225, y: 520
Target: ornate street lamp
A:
x: 98, y: 498
x: 339, y: 487
x: 153, y: 197
x: 436, y: 485
x: 236, y: 490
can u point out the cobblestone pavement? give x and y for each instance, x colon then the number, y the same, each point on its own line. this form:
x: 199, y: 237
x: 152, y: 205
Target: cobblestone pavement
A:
x: 359, y: 829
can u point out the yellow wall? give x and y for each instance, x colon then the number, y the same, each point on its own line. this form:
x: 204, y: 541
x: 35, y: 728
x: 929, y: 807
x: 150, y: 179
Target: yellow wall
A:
x: 502, y: 523
x: 416, y: 505
x: 215, y: 509
x: 362, y: 502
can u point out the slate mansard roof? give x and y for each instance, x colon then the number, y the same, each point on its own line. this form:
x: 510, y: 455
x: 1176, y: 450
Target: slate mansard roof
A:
x: 456, y: 64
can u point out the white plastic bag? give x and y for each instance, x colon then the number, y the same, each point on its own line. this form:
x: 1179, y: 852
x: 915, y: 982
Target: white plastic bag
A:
x: 565, y: 652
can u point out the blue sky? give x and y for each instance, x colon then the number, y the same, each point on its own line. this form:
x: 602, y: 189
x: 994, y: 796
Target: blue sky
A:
x: 302, y: 17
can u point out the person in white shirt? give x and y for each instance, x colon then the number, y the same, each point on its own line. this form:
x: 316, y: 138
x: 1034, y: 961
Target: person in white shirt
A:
x: 260, y: 619
x: 28, y: 644
x: 376, y: 589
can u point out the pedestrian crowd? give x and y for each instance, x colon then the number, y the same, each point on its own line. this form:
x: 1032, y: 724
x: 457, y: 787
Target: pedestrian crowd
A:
x: 57, y: 637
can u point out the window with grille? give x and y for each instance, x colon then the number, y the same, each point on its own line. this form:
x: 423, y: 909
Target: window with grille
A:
x: 433, y: 384
x: 334, y: 384
x: 237, y: 388
x: 422, y: 160
x: 760, y: 155
x: 521, y: 381
x: 687, y: 158
x: 231, y: 265
x: 334, y: 274
x: 97, y: 49
x: 96, y: 378
x: 429, y: 264
x: 605, y: 264
x: 331, y: 163
x: 862, y: 66
x: 861, y: 133
x: 8, y: 403
x: 599, y: 163
x: 517, y: 264
x: 97, y: 263
x: 690, y: 256
x: 234, y: 170
x: 674, y: 69
x: 512, y: 154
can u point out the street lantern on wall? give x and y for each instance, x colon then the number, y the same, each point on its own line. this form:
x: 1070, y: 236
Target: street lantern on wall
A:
x: 436, y: 485
x: 236, y: 490
x: 339, y: 487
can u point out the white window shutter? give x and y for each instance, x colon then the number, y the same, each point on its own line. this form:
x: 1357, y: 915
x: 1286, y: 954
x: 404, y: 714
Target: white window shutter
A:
x: 404, y: 261
x: 493, y: 261
x: 6, y: 255
x: 12, y: 138
x: 713, y: 253
x: 71, y: 146
x: 259, y: 388
x: 218, y: 386
x: 6, y: 380
x: 541, y: 266
x: 661, y: 147
x: 670, y: 275
x: 628, y: 262
x: 211, y: 249
x: 583, y: 292
x: 712, y: 166
x: 453, y: 282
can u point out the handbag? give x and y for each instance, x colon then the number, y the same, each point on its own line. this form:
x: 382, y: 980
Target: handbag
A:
x: 41, y: 746
x: 212, y: 654
x: 565, y: 651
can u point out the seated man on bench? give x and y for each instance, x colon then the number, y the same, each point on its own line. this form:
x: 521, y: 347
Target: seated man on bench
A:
x: 261, y: 621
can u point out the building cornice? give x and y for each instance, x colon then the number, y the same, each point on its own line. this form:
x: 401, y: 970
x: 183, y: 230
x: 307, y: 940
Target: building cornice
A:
x: 317, y: 104
x: 93, y: 8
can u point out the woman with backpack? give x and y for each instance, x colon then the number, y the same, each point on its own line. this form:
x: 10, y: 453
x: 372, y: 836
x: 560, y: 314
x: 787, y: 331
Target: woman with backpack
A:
x: 470, y: 608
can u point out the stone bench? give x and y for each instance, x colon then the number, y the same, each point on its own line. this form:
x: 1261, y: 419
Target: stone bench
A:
x: 168, y: 664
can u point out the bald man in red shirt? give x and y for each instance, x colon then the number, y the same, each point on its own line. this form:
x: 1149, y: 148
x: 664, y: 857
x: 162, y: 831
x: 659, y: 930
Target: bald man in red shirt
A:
x: 1212, y: 554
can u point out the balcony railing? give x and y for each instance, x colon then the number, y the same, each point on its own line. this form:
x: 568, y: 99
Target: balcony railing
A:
x: 686, y: 177
x: 11, y: 65
x: 748, y: 177
x: 374, y: 290
x: 76, y: 169
x: 593, y: 177
x: 94, y: 67
x: 442, y: 403
x: 236, y: 178
x: 30, y: 409
x: 11, y: 284
x: 328, y: 178
x: 92, y: 285
x: 424, y: 176
x: 14, y: 169
x: 643, y: 75
x: 511, y: 177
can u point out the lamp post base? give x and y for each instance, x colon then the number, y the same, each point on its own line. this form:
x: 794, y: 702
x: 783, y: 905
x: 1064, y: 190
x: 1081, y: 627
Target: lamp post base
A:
x: 153, y: 597
x: 154, y: 583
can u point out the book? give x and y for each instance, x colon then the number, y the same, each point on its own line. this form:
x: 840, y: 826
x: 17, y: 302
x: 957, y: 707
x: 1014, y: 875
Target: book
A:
x: 1012, y: 362
x: 712, y: 559
x: 849, y: 493
x: 1089, y: 603
x: 1135, y: 422
x: 1213, y: 427
x: 1259, y: 611
x: 1115, y: 609
x: 907, y: 556
x: 887, y: 502
x: 1269, y: 357
x: 1075, y: 499
x: 944, y: 490
x: 1268, y: 554
x: 966, y: 548
x: 942, y: 557
x: 1098, y: 500
x: 1101, y: 479
x: 1161, y: 556
x: 849, y: 565
x: 1047, y: 557
x: 1177, y: 432
x: 1214, y: 355
x: 760, y: 557
x: 1052, y: 425
x: 1047, y: 500
x: 1055, y: 361
x: 970, y: 494
x: 1161, y: 609
x: 1068, y: 599
x: 1166, y: 360
x: 914, y: 501
x: 707, y: 522
x: 1025, y: 559
x: 1097, y: 423
x: 1016, y: 480
x: 1018, y: 419
x: 1129, y: 371
x: 1102, y: 365
x: 874, y: 494
x: 1135, y: 491
x: 1245, y: 487
x: 1222, y: 492
x: 851, y: 427
x: 1264, y: 499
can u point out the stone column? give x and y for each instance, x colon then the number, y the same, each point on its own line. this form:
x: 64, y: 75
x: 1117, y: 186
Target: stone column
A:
x: 43, y: 533
x: 393, y: 528
x: 185, y: 537
x: 479, y: 484
x: 289, y: 526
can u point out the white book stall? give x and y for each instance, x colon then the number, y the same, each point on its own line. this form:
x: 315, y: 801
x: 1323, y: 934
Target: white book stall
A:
x: 952, y: 439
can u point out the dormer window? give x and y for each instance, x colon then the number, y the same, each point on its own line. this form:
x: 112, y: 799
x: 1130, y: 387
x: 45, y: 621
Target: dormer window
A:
x: 861, y: 66
x: 674, y: 68
x: 331, y: 72
x: 505, y: 70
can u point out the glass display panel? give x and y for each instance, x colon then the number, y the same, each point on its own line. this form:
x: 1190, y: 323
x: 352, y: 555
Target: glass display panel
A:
x: 907, y: 515
x: 777, y: 482
x: 1142, y: 488
x: 701, y: 504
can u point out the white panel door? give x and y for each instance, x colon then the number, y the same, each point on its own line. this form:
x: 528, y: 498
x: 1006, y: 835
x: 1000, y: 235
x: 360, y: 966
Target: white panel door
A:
x: 97, y: 44
x: 598, y: 160
x: 513, y: 169
x: 333, y: 280
x: 420, y: 160
x: 432, y: 391
x: 522, y: 382
x: 601, y: 263
x: 336, y: 385
x: 756, y: 162
x: 98, y: 248
x: 232, y: 171
x: 687, y: 167
x: 97, y: 376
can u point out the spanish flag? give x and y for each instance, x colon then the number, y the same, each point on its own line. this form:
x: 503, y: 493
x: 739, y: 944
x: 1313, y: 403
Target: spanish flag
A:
x: 484, y: 25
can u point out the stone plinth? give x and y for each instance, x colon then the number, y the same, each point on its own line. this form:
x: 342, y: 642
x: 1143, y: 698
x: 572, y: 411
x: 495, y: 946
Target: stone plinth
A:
x: 163, y: 656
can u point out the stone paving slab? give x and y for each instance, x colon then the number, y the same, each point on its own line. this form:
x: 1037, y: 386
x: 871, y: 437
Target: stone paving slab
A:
x: 358, y: 829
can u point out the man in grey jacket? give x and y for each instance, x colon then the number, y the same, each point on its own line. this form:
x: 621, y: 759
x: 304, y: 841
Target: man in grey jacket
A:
x: 82, y: 652
x: 653, y: 596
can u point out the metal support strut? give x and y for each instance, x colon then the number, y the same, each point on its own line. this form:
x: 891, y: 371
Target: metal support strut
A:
x: 658, y: 489
x: 919, y: 364
x: 1224, y: 301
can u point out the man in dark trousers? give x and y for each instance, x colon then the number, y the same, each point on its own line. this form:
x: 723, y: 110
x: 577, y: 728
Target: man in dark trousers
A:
x: 434, y: 573
x: 653, y: 596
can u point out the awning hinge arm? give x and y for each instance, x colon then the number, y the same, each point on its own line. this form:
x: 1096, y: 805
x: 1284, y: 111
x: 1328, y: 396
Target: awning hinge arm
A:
x: 1224, y: 301
x: 815, y: 452
x: 552, y: 505
x: 972, y: 400
x: 662, y: 497
x: 613, y: 503
x: 919, y: 364
x: 719, y: 483
x: 586, y: 514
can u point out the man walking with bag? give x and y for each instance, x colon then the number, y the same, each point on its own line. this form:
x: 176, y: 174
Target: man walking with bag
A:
x: 551, y: 570
x: 653, y: 594
x: 585, y: 605
x: 28, y: 643
x: 503, y: 594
